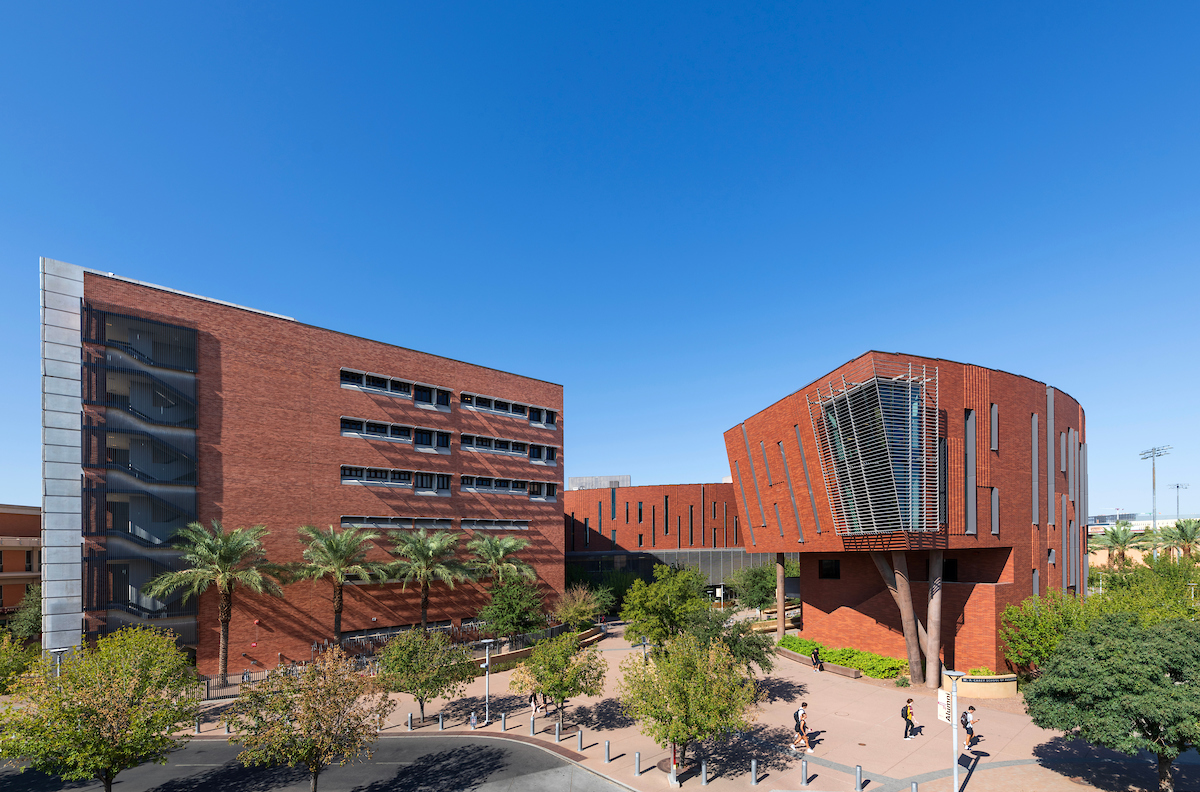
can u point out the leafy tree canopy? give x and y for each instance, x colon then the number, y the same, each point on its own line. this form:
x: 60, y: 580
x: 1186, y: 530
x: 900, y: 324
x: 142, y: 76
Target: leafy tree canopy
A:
x: 115, y: 706
x: 1125, y: 686
x: 515, y: 607
x: 665, y: 608
x: 578, y: 607
x: 15, y: 659
x: 560, y: 669
x: 747, y: 647
x: 426, y: 666
x: 26, y: 623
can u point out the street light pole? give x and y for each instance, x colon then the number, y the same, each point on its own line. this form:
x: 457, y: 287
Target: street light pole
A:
x: 1177, y: 487
x: 1153, y: 454
x: 58, y: 653
x: 954, y: 677
x: 487, y: 680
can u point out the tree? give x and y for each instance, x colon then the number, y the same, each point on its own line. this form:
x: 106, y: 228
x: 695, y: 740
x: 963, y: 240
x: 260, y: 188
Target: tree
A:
x: 426, y: 558
x: 338, y: 555
x: 26, y: 623
x: 495, y: 558
x: 578, y: 607
x: 225, y: 559
x: 664, y: 608
x: 15, y: 658
x: 1156, y: 591
x: 1126, y: 687
x: 324, y: 713
x: 114, y: 706
x: 753, y: 587
x: 1183, y: 536
x: 687, y: 692
x: 426, y: 666
x: 1117, y: 540
x: 747, y: 647
x: 515, y: 607
x: 1031, y: 631
x: 560, y: 669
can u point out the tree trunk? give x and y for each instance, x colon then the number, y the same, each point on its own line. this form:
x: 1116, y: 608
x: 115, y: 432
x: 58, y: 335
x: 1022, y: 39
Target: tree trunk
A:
x: 683, y: 752
x: 312, y: 779
x: 558, y: 705
x: 933, y: 644
x: 337, y: 612
x: 424, y: 605
x: 907, y: 618
x: 780, y: 624
x: 224, y: 616
x: 421, y: 704
x: 107, y: 778
x: 1166, y: 782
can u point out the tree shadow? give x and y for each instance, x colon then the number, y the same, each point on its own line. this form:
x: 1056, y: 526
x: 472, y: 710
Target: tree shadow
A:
x: 730, y: 757
x: 456, y: 770
x: 605, y: 715
x: 772, y: 689
x: 461, y: 709
x: 1108, y: 770
x: 234, y: 777
x: 33, y: 781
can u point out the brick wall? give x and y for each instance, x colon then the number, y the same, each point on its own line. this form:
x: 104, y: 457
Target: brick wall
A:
x: 673, y: 516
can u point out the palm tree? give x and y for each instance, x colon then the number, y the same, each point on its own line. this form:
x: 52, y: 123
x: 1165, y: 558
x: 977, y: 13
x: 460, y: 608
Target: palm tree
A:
x: 426, y: 558
x: 1184, y: 536
x: 1117, y: 540
x: 495, y: 558
x: 338, y: 555
x: 225, y: 559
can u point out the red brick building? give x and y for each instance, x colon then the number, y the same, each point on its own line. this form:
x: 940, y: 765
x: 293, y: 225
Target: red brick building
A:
x: 20, y: 556
x: 190, y: 408
x: 893, y: 466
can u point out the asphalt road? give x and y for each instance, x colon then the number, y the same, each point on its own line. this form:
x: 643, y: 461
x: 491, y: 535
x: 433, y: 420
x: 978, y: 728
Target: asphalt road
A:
x: 404, y: 764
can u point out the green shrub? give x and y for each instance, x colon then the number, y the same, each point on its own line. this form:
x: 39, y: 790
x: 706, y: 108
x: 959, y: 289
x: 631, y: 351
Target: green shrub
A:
x: 902, y: 681
x: 872, y: 665
x: 981, y: 671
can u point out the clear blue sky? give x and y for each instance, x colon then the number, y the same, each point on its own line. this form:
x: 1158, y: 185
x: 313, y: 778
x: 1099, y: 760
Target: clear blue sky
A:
x: 681, y: 213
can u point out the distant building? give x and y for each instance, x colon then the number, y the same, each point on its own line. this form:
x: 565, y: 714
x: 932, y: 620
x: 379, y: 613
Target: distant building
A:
x: 598, y: 482
x: 20, y: 556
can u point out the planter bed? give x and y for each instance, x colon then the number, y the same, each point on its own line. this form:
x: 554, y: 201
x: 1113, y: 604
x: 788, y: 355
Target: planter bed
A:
x: 832, y: 668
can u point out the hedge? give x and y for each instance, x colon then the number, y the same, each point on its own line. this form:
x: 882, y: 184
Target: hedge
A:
x: 873, y: 665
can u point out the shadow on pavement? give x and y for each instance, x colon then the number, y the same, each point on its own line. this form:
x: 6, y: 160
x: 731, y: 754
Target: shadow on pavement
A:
x: 235, y: 778
x: 456, y: 770
x: 772, y: 689
x: 461, y: 709
x: 33, y: 781
x: 1108, y: 770
x: 731, y: 757
x: 605, y: 715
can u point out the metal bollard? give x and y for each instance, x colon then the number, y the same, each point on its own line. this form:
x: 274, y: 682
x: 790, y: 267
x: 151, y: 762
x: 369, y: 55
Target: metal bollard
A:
x: 197, y: 724
x: 579, y: 734
x: 914, y: 786
x: 857, y: 778
x: 606, y: 759
x: 803, y: 772
x: 532, y: 730
x: 503, y: 721
x: 753, y: 772
x: 703, y: 772
x: 637, y: 763
x: 557, y: 732
x: 441, y: 723
x: 474, y: 721
x: 410, y: 721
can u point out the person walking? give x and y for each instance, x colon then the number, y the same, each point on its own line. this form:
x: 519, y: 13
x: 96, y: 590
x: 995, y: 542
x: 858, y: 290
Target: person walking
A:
x: 909, y: 721
x: 818, y: 666
x: 969, y: 719
x: 801, y: 718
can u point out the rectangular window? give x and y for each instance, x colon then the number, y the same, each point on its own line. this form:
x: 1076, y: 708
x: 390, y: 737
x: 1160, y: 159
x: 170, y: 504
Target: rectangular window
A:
x: 443, y: 398
x: 520, y: 448
x: 829, y: 569
x: 551, y: 454
x: 1050, y: 556
x: 535, y: 415
x: 351, y: 425
x: 423, y: 394
x: 352, y: 472
x: 402, y: 477
x: 378, y: 475
x: 466, y: 398
x: 587, y: 532
x: 995, y: 511
x: 352, y: 377
x: 28, y: 563
x: 1035, y: 583
x: 520, y: 485
x: 466, y: 440
x: 1033, y: 425
x: 614, y: 538
x: 950, y: 570
x: 500, y: 406
x: 535, y: 452
x: 995, y: 433
x: 402, y: 432
x: 551, y: 417
x: 535, y: 489
x: 377, y: 429
x: 766, y: 463
x: 1062, y: 452
x: 518, y: 409
x: 639, y: 540
x: 443, y: 439
x: 502, y: 484
x: 714, y: 510
x: 627, y: 512
x: 424, y: 481
x: 443, y: 481
x: 401, y: 387
x: 468, y: 481
x: 551, y: 490
x: 483, y: 442
x: 423, y: 437
x: 377, y: 382
x: 972, y: 511
x: 639, y: 512
x: 691, y: 525
x: 502, y: 445
x: 485, y: 403
x: 481, y: 481
x: 612, y: 510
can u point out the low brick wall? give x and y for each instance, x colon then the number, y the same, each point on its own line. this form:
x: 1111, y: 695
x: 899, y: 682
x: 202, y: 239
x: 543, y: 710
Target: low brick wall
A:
x: 832, y: 668
x: 586, y: 638
x: 794, y: 623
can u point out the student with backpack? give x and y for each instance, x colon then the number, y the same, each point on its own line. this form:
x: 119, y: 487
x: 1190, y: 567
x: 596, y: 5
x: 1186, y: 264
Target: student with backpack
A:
x: 968, y: 720
x: 801, y: 718
x: 818, y: 666
x: 910, y: 722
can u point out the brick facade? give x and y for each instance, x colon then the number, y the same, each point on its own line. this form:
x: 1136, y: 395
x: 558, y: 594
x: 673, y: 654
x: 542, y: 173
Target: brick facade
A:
x: 270, y: 451
x: 673, y: 517
x: 20, y: 549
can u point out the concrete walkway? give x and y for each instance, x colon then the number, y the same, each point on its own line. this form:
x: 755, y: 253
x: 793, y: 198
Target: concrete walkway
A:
x: 856, y: 722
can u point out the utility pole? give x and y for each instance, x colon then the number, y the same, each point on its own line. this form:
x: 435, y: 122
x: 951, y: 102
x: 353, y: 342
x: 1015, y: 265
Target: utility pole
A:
x: 1153, y: 454
x: 1177, y: 487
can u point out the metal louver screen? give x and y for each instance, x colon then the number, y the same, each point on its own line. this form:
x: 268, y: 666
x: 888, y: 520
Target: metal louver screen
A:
x: 877, y: 431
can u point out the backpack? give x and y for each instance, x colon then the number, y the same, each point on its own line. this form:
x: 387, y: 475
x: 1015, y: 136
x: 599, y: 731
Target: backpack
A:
x: 904, y: 712
x: 796, y: 716
x: 963, y: 719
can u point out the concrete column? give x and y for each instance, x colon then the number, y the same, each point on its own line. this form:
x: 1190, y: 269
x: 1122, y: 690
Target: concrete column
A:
x: 781, y: 627
x: 933, y: 645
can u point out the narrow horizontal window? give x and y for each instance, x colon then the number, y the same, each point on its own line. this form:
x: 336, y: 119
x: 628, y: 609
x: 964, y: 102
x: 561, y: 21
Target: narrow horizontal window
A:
x: 401, y: 387
x: 535, y: 452
x: 351, y: 425
x: 377, y: 429
x: 466, y: 440
x: 520, y: 485
x: 466, y: 398
x: 500, y: 406
x: 535, y: 415
x: 378, y: 475
x: 482, y: 402
x: 518, y: 409
x: 423, y: 437
x: 468, y: 481
x: 502, y: 445
x: 519, y: 448
x: 377, y: 382
x: 402, y: 432
x: 502, y: 484
x: 352, y: 472
x: 423, y: 394
x: 352, y: 377
x: 424, y: 481
x: 402, y: 476
x: 535, y: 489
x: 483, y: 442
x: 482, y: 481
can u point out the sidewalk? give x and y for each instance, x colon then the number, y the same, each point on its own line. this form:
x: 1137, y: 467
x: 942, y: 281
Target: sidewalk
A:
x: 856, y: 722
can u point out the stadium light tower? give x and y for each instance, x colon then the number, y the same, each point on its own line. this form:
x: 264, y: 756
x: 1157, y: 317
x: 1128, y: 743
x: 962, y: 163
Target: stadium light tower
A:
x: 1177, y: 487
x: 1153, y: 454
